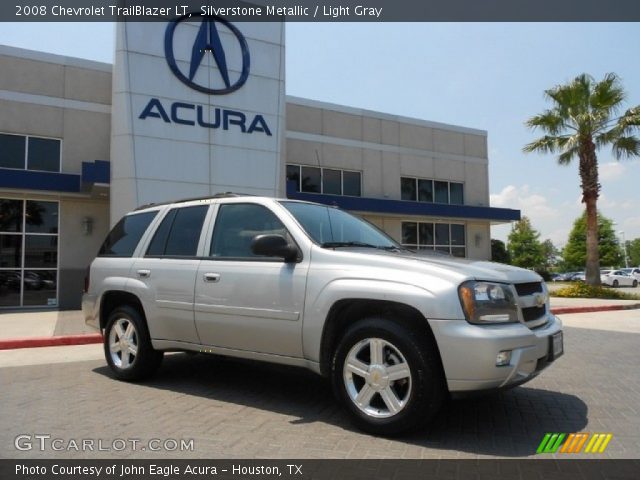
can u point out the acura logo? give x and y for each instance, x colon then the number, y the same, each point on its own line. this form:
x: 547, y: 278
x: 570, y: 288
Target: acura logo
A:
x: 207, y: 42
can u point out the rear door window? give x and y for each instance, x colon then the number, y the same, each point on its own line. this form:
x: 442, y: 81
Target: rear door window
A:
x: 179, y: 233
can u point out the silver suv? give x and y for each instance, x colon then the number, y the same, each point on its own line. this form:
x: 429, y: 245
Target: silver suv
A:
x: 298, y: 283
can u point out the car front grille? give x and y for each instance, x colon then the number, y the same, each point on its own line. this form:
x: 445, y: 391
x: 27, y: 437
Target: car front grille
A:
x: 534, y: 316
x: 524, y: 289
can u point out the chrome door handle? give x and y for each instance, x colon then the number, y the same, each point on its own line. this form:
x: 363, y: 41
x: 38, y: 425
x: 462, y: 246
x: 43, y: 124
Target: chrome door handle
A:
x: 144, y: 273
x: 211, y: 277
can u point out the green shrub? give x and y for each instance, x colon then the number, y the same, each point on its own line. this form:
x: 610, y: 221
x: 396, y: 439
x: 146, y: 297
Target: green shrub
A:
x: 582, y: 290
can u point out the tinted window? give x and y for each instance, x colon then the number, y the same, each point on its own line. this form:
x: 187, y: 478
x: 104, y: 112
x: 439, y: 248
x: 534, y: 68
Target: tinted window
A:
x: 442, y: 234
x: 331, y: 182
x: 426, y: 233
x: 408, y: 188
x: 310, y: 181
x: 293, y: 175
x: 10, y: 215
x: 457, y: 235
x: 441, y: 192
x: 43, y: 154
x: 10, y: 251
x: 351, y: 184
x: 12, y: 149
x: 10, y: 281
x: 159, y: 240
x: 40, y: 287
x: 40, y: 251
x: 237, y: 225
x: 456, y: 193
x: 42, y: 217
x: 425, y: 190
x: 185, y: 231
x: 409, y: 233
x: 124, y: 237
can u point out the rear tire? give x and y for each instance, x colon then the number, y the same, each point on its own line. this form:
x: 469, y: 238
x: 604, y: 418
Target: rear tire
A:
x: 388, y: 376
x: 127, y: 345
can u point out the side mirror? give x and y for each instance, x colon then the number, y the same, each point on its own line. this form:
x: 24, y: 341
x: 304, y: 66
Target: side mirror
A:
x: 274, y: 246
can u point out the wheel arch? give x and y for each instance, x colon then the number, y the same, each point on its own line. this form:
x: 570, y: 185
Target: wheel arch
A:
x: 113, y: 299
x: 343, y: 313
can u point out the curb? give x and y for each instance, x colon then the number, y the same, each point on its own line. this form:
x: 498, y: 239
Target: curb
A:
x: 92, y: 338
x: 602, y: 308
x: 32, y: 342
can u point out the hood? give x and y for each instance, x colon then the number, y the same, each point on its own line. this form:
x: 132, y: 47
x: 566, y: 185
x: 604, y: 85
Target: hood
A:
x: 459, y: 268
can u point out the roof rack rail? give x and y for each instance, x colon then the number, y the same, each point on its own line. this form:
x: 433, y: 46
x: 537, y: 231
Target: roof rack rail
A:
x: 206, y: 197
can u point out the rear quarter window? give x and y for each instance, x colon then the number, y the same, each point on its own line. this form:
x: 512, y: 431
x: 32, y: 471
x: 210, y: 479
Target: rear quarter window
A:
x: 124, y: 237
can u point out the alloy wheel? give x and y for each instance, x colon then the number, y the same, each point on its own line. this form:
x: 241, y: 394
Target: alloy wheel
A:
x: 377, y: 378
x: 123, y: 343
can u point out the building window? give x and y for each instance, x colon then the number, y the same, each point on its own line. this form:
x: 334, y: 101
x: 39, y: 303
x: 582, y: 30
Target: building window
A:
x: 30, y: 153
x: 427, y: 190
x: 328, y: 181
x: 28, y: 253
x: 443, y: 237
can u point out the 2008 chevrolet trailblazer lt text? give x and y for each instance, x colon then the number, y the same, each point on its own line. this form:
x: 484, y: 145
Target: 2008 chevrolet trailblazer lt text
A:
x: 314, y: 286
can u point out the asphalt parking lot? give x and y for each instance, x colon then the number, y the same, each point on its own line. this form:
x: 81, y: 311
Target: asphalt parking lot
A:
x: 240, y: 409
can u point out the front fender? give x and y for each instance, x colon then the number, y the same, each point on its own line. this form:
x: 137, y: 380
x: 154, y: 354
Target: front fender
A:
x: 320, y: 300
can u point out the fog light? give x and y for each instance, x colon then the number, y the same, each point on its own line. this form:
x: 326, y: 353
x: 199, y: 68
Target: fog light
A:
x: 503, y: 358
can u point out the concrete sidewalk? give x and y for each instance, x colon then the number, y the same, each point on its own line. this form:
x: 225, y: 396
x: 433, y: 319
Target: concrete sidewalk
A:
x: 45, y: 328
x: 52, y: 328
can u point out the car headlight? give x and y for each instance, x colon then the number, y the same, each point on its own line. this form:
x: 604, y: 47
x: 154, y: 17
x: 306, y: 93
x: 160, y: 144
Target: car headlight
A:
x: 488, y: 302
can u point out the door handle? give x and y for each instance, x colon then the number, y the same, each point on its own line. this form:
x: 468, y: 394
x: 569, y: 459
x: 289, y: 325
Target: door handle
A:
x: 144, y: 273
x: 211, y: 277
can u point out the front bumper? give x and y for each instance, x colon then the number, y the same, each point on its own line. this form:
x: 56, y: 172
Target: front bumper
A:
x: 469, y: 353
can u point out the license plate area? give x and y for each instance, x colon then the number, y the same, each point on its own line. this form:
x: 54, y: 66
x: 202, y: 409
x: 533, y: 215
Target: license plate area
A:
x: 556, y: 346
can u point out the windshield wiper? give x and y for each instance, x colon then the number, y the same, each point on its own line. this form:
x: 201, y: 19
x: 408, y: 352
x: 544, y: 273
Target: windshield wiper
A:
x: 359, y: 244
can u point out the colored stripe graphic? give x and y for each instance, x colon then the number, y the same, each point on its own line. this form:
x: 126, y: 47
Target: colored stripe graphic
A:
x: 550, y: 443
x: 598, y: 443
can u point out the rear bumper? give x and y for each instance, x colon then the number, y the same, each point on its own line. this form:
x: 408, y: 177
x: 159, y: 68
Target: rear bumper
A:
x: 90, y: 310
x: 469, y: 353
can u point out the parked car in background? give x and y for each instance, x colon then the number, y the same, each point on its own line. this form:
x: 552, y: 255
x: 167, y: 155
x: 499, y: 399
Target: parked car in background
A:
x: 633, y: 271
x: 578, y: 277
x: 617, y: 278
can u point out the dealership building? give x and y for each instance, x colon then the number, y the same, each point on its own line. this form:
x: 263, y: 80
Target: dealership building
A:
x: 194, y: 107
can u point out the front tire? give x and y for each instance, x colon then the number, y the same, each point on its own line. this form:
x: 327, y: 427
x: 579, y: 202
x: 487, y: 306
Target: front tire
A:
x: 634, y: 284
x: 615, y: 284
x: 388, y: 376
x: 127, y: 345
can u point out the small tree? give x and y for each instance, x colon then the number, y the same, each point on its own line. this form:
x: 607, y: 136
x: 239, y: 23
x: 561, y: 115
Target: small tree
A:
x: 633, y: 252
x: 524, y: 245
x: 550, y: 254
x: 499, y: 251
x: 575, y: 251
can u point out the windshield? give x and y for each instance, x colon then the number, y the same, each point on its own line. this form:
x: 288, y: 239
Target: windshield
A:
x: 332, y: 227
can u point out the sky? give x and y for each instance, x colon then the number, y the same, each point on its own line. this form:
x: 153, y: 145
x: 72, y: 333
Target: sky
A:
x: 490, y: 76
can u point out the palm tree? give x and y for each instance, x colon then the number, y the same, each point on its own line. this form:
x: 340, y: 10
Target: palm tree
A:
x: 584, y: 117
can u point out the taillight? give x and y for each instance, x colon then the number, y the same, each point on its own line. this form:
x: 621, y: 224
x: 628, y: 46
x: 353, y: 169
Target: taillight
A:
x: 87, y: 278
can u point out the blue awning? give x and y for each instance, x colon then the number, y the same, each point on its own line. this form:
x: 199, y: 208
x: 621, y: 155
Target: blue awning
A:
x: 404, y: 207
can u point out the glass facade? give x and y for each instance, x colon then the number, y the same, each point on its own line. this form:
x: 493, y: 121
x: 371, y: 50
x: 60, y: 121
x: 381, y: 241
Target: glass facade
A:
x: 443, y: 237
x: 28, y: 253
